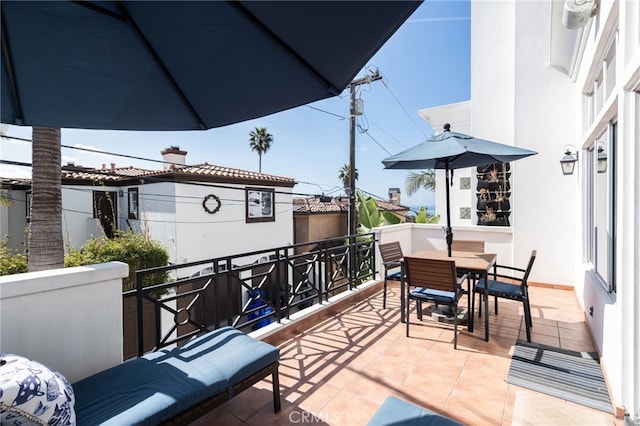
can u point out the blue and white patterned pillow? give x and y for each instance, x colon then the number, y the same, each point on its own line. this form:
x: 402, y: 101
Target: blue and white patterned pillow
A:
x: 33, y: 394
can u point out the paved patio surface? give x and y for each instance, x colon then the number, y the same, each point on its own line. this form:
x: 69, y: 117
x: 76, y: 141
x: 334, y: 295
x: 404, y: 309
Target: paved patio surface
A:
x: 339, y: 371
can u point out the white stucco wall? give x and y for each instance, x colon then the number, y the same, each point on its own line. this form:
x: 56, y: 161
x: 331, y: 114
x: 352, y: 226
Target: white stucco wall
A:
x: 78, y: 223
x: 157, y: 205
x: 418, y: 236
x: 173, y: 215
x: 13, y: 221
x: 69, y: 319
x: 458, y: 115
x: 615, y: 322
x: 519, y: 97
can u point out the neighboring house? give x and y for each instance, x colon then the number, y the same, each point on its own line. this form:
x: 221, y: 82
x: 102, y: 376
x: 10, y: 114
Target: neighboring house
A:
x: 321, y: 217
x: 537, y: 84
x: 197, y: 212
x: 14, y: 218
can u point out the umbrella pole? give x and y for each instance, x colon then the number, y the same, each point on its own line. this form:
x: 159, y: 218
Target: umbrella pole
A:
x: 447, y: 231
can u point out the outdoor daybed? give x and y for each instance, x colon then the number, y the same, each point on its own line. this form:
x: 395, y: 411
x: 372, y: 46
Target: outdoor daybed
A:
x: 179, y: 385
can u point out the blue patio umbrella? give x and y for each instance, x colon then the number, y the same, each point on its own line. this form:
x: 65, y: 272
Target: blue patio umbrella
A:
x: 450, y: 150
x: 181, y: 65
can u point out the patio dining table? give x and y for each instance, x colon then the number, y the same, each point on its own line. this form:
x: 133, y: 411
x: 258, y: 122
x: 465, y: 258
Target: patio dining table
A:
x: 476, y: 265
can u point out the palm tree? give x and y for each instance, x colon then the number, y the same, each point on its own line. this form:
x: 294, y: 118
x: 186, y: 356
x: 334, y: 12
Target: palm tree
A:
x: 45, y: 246
x: 423, y: 180
x: 344, y: 176
x: 260, y: 141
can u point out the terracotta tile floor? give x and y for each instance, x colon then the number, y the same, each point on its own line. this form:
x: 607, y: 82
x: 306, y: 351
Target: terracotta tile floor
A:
x: 340, y: 371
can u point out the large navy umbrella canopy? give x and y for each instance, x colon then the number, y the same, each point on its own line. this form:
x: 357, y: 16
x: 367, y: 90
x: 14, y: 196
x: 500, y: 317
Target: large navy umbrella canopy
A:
x: 451, y: 150
x: 181, y: 65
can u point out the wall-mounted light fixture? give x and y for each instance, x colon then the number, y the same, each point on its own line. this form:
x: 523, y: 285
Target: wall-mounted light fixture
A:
x: 602, y: 158
x: 120, y: 193
x: 568, y: 162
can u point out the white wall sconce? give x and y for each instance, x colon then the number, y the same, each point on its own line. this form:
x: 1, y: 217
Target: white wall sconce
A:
x: 602, y: 158
x: 568, y: 162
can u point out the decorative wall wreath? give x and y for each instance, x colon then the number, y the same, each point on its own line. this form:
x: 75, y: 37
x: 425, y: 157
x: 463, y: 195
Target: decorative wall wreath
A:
x: 211, y: 197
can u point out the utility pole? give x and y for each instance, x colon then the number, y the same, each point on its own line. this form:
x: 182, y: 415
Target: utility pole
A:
x: 373, y: 76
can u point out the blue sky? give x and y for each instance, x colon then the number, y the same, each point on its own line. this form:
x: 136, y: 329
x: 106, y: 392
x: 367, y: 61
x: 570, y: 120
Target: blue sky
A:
x: 425, y: 64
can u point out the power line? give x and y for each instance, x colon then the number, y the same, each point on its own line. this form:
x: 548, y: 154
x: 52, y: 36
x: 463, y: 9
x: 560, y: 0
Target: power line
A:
x: 387, y: 133
x: 327, y: 112
x: 142, y: 177
x: 97, y: 151
x: 157, y: 179
x: 404, y: 109
x: 334, y: 188
x: 378, y: 143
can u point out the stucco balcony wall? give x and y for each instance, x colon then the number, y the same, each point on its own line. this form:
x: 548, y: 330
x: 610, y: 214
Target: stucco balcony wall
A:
x: 417, y: 236
x: 70, y: 319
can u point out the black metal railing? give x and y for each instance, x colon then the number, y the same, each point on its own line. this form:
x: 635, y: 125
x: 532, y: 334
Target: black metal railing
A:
x: 247, y: 291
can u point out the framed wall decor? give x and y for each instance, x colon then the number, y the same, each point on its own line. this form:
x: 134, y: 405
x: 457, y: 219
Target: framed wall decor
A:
x: 211, y: 204
x: 260, y: 205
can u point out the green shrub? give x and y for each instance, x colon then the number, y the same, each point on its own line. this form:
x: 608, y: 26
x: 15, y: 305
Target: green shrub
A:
x: 12, y: 262
x: 137, y: 250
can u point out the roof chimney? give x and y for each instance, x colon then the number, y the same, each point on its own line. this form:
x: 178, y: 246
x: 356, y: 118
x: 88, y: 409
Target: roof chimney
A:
x: 173, y: 157
x: 394, y: 195
x: 113, y: 167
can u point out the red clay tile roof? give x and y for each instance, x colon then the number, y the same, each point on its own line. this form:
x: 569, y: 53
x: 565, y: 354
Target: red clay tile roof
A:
x: 15, y: 182
x: 386, y: 205
x: 206, y: 172
x: 184, y: 173
x: 228, y: 173
x: 313, y: 205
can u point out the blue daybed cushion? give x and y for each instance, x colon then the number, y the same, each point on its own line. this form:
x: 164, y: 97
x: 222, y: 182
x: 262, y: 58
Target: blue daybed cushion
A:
x: 162, y: 384
x: 145, y: 390
x: 242, y: 355
x: 397, y: 412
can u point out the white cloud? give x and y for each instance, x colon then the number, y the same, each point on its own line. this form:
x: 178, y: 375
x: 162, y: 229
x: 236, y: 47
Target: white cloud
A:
x: 93, y: 149
x: 14, y: 141
x: 10, y: 171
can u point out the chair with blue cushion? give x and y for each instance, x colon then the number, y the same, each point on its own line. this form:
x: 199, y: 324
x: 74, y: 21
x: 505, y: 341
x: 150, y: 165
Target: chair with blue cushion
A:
x: 435, y: 281
x: 510, y: 282
x: 392, y: 256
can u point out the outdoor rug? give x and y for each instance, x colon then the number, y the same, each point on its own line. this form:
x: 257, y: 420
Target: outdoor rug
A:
x: 537, y: 409
x: 569, y: 375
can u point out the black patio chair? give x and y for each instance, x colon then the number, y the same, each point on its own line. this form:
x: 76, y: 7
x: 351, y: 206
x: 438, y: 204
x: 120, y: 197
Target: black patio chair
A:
x: 392, y: 256
x: 511, y: 286
x: 436, y: 281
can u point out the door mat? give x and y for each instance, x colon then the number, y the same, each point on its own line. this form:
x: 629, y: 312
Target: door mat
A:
x: 536, y: 409
x: 570, y: 375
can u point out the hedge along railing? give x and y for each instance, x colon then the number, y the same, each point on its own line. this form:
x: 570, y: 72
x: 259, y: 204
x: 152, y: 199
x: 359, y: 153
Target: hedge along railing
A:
x: 247, y: 291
